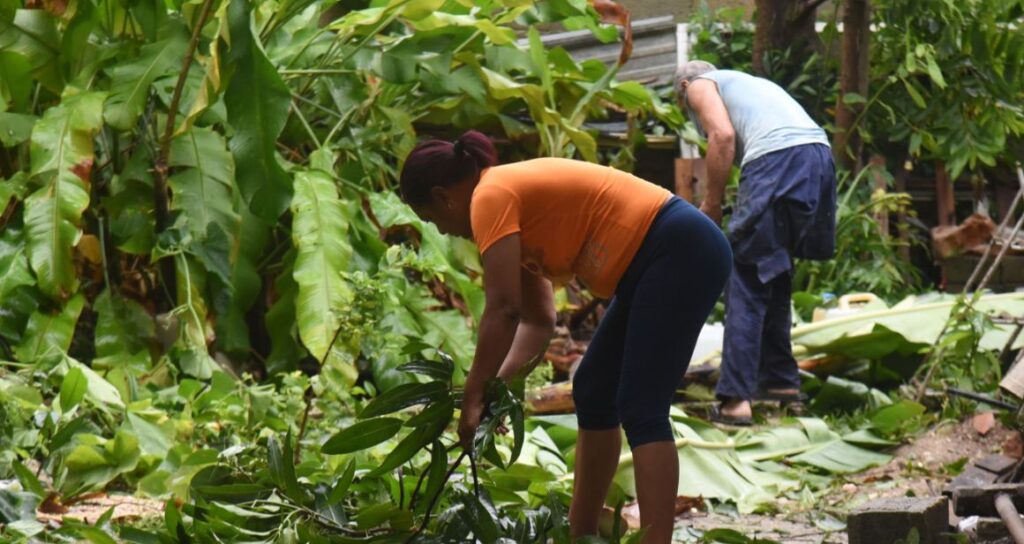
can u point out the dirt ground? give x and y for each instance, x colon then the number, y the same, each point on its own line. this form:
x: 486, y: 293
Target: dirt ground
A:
x: 919, y: 468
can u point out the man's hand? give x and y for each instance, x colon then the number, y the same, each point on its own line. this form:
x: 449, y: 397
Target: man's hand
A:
x: 472, y: 412
x: 714, y: 211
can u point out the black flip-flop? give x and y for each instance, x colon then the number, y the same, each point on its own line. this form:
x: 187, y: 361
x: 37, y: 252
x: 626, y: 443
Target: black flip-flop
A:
x: 785, y: 398
x: 717, y: 416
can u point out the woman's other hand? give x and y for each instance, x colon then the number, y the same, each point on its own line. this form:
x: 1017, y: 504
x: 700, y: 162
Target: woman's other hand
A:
x: 472, y: 413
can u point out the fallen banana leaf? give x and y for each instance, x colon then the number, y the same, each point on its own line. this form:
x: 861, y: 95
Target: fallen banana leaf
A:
x: 715, y: 471
x: 816, y: 445
x: 908, y: 327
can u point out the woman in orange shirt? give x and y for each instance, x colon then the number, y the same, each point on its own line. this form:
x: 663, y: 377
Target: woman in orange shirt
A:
x: 663, y: 263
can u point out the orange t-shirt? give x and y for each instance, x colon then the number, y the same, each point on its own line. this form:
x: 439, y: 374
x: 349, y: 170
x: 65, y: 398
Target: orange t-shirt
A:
x: 574, y: 218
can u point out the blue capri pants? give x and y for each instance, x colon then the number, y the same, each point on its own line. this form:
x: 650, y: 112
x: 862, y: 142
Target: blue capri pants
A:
x: 643, y: 345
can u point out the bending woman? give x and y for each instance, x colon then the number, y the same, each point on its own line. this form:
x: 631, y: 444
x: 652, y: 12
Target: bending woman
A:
x: 663, y: 263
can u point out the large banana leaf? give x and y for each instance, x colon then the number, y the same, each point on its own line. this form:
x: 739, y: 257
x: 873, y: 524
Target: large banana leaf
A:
x: 319, y: 232
x: 130, y: 81
x: 257, y: 101
x: 48, y: 334
x: 62, y: 158
x: 909, y: 326
x: 814, y: 444
x: 716, y: 472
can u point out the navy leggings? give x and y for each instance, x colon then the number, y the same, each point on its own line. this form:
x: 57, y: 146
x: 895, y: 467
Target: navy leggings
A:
x: 643, y: 344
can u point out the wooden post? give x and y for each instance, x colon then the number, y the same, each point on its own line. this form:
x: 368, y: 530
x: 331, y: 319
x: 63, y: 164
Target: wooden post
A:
x: 853, y: 78
x: 691, y: 179
x: 684, y: 179
x: 944, y: 199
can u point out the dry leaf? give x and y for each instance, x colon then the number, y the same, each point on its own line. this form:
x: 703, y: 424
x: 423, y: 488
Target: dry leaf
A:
x: 1014, y: 446
x: 89, y: 247
x: 83, y: 169
x: 616, y: 14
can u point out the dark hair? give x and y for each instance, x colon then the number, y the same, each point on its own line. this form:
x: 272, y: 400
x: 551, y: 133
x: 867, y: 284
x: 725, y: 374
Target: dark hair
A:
x: 437, y: 163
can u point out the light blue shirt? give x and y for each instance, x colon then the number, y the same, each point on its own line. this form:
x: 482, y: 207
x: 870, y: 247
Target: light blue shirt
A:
x: 763, y: 115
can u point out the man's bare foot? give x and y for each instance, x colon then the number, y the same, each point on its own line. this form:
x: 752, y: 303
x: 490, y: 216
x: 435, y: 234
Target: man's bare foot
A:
x: 782, y: 392
x: 736, y: 408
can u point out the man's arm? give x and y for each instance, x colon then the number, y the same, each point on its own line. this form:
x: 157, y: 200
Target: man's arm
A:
x: 702, y: 94
x: 536, y: 326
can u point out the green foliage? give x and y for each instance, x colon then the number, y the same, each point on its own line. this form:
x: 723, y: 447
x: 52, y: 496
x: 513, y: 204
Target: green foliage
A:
x: 866, y: 258
x: 725, y: 37
x: 256, y: 179
x: 947, y: 81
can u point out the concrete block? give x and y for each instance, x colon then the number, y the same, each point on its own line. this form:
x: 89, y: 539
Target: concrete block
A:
x: 999, y: 465
x: 971, y: 476
x: 981, y: 501
x: 885, y: 521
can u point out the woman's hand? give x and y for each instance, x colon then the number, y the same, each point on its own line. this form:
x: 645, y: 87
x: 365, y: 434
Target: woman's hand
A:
x: 472, y: 412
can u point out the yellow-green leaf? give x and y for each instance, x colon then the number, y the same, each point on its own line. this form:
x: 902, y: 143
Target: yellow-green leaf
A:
x: 62, y: 157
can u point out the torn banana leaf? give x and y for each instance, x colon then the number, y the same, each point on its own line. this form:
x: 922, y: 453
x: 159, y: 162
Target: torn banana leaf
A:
x: 910, y: 326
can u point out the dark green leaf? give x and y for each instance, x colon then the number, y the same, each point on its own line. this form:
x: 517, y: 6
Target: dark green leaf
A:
x: 33, y: 34
x: 362, y: 435
x: 343, y: 483
x: 403, y: 396
x: 480, y: 518
x: 130, y: 81
x: 257, y: 102
x: 15, y: 74
x: 441, y: 370
x: 890, y: 419
x: 409, y: 447
x: 66, y: 432
x: 282, y: 467
x: 17, y: 128
x: 28, y: 480
x: 435, y: 476
x: 436, y: 413
x: 375, y: 515
x: 518, y: 418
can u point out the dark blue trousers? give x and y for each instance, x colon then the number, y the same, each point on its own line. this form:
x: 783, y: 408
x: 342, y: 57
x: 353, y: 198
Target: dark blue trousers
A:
x: 757, y: 353
x: 785, y: 209
x: 643, y: 345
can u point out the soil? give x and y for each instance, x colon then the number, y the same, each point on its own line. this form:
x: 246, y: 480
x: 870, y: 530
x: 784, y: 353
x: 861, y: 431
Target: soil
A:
x: 919, y: 468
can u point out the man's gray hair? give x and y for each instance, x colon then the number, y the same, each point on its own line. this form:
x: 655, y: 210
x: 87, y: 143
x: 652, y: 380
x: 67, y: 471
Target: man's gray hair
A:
x: 689, y: 71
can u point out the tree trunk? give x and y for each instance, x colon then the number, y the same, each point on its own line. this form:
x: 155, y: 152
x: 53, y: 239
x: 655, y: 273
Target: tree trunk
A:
x: 853, y: 78
x: 781, y: 24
